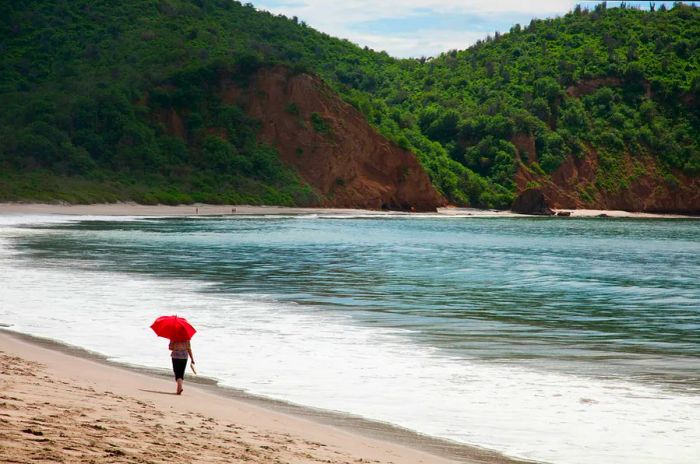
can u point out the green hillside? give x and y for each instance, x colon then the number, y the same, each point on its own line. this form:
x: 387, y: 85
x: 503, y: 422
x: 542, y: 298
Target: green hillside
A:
x: 81, y: 83
x: 473, y: 102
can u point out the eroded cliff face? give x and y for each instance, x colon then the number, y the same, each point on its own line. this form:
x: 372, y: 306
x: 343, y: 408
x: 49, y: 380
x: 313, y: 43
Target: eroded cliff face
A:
x: 575, y: 184
x: 330, y: 144
x: 640, y: 185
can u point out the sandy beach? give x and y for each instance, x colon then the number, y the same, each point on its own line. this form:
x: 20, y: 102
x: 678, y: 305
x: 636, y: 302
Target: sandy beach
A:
x: 59, y: 407
x: 199, y: 209
x: 59, y: 404
x: 134, y: 209
x: 589, y: 213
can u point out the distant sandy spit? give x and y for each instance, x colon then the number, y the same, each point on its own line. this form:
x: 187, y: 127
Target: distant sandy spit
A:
x: 198, y: 209
x: 56, y: 406
x: 587, y: 213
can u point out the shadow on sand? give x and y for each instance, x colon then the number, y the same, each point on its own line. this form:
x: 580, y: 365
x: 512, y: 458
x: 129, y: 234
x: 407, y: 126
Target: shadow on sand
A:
x: 159, y: 392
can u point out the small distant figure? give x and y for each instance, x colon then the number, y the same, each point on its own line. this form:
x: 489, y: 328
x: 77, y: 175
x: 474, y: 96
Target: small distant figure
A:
x: 196, y: 211
x: 233, y: 210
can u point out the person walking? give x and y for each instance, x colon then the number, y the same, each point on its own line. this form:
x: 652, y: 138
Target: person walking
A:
x: 180, y: 352
x: 179, y: 332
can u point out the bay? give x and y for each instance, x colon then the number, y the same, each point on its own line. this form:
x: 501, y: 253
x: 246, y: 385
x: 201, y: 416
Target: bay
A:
x: 558, y: 339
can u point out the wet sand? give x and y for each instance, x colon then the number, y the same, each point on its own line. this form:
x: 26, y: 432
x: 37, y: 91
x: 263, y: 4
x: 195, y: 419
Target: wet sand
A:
x: 59, y: 404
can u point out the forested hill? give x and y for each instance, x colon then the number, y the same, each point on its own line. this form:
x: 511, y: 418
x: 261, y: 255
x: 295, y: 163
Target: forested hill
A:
x: 598, y: 108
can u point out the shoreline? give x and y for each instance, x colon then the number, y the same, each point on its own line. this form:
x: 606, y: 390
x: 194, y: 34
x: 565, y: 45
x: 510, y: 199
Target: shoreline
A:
x: 205, y: 210
x: 473, y: 433
x: 353, y: 436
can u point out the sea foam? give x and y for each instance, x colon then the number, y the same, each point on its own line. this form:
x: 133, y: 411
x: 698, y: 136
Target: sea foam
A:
x: 308, y: 356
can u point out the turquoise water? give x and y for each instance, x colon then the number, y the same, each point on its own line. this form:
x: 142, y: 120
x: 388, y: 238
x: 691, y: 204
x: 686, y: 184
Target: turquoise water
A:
x: 564, y: 293
x: 577, y: 302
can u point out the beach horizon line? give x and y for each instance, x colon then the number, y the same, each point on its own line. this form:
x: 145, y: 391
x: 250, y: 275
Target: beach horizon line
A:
x: 204, y: 210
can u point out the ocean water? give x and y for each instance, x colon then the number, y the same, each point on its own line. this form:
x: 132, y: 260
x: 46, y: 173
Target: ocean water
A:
x: 560, y: 340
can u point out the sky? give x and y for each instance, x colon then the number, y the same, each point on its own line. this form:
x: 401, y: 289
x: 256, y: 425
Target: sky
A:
x: 415, y: 28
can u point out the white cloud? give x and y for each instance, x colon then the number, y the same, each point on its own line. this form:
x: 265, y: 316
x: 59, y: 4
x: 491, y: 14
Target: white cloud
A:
x: 341, y: 18
x: 427, y: 42
x: 363, y: 10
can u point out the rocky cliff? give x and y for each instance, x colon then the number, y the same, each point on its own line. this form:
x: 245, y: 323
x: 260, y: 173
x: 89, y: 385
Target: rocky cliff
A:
x: 576, y: 184
x: 330, y: 143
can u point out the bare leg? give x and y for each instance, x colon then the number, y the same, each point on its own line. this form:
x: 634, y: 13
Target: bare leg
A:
x: 179, y: 386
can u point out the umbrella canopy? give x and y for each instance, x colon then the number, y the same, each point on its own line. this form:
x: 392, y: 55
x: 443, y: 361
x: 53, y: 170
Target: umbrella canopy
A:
x: 173, y: 328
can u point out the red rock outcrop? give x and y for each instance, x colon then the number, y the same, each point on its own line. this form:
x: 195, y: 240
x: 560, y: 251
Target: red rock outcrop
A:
x: 573, y: 185
x: 531, y: 201
x: 331, y: 144
x: 527, y: 151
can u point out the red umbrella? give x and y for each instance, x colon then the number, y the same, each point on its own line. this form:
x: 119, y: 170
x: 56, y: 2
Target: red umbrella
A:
x: 173, y: 328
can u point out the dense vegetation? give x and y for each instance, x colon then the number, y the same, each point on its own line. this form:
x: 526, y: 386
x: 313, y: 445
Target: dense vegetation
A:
x: 83, y: 85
